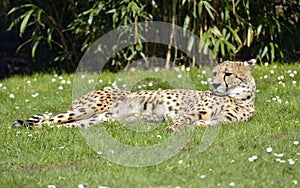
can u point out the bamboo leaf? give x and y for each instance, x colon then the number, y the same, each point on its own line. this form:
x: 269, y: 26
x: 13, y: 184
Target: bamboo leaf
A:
x: 200, y: 7
x: 209, y: 9
x: 190, y: 43
x: 111, y: 11
x: 35, y: 45
x: 216, y: 32
x: 25, y: 21
x: 264, y: 51
x: 20, y: 7
x: 49, y: 37
x: 216, y: 48
x: 186, y: 22
x: 91, y: 17
x: 258, y: 30
x: 249, y: 36
x: 13, y: 10
x: 272, y: 51
x: 222, y: 48
x: 229, y: 45
x: 235, y: 35
x: 23, y: 44
x: 15, y: 22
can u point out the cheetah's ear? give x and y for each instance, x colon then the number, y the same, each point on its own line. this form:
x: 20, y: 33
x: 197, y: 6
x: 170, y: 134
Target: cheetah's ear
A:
x: 251, y: 63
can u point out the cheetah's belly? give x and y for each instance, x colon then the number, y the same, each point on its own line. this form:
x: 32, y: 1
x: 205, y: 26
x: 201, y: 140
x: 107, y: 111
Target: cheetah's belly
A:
x: 136, y: 109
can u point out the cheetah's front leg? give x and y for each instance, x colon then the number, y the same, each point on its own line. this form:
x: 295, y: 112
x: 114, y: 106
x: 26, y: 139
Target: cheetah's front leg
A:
x: 179, y: 124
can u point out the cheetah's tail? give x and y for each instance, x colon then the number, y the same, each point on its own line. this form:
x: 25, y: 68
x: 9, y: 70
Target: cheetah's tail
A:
x: 35, y: 120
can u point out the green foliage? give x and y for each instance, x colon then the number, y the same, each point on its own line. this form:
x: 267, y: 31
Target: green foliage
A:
x: 240, y: 29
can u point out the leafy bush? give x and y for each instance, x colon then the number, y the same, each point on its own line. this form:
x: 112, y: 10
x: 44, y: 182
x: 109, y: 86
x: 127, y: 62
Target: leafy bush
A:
x: 242, y: 29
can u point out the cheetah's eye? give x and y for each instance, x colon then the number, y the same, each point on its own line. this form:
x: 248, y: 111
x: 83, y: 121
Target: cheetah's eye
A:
x: 214, y: 74
x: 228, y: 73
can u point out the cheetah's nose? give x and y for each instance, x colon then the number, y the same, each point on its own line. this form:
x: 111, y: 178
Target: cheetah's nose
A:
x: 216, y: 85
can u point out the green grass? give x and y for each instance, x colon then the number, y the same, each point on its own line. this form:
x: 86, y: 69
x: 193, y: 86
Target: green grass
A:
x: 62, y: 157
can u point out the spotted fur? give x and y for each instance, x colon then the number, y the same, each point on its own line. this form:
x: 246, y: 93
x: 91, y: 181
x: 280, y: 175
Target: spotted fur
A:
x: 231, y: 99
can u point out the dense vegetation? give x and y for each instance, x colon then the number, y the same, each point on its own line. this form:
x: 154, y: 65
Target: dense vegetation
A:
x: 57, y: 33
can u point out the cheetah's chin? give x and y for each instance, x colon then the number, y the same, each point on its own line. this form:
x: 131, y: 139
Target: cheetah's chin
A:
x: 217, y: 93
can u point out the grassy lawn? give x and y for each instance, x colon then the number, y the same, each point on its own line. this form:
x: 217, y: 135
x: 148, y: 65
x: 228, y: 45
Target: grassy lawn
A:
x: 264, y: 152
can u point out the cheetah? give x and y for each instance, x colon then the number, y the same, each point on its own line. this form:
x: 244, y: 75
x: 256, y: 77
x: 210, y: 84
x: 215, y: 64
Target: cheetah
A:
x: 231, y: 99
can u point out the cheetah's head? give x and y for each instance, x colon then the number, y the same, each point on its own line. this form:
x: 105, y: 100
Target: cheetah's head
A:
x: 233, y: 78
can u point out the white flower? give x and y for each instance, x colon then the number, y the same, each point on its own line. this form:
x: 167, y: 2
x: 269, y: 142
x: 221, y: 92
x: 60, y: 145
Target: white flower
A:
x: 28, y: 82
x: 35, y: 95
x: 266, y: 64
x: 271, y: 71
x: 202, y: 176
x: 232, y: 184
x: 63, y: 81
x: 180, y: 161
x: 159, y: 136
x: 295, y: 182
x: 83, y: 185
x: 252, y: 158
x: 282, y: 161
x: 295, y: 72
x: 296, y: 142
x: 68, y: 82
x: 278, y: 155
x: 203, y: 82
x: 269, y: 149
x: 280, y: 77
x: 61, y: 147
x: 90, y: 81
x: 60, y: 88
x: 53, y: 80
x: 188, y: 69
x: 12, y: 96
x: 60, y: 77
x: 114, y: 85
x: 179, y: 76
x: 294, y: 82
x: 265, y: 76
x: 1, y: 85
x: 291, y: 75
x: 51, y: 186
x: 150, y: 84
x: 203, y: 71
x: 291, y: 161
